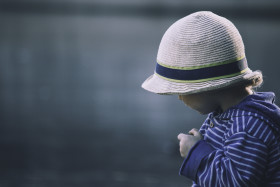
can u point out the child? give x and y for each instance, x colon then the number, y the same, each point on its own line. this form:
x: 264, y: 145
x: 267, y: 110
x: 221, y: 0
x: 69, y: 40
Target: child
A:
x: 201, y: 59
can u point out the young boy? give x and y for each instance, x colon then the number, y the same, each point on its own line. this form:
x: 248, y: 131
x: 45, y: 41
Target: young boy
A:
x: 201, y: 59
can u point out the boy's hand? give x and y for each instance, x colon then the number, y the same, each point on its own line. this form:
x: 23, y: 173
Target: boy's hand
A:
x: 188, y: 140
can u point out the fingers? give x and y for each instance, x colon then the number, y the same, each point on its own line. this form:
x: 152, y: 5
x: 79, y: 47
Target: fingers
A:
x: 187, y: 141
x: 180, y: 136
x: 194, y: 132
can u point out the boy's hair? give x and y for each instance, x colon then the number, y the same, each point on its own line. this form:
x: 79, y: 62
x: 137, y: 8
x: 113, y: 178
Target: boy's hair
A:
x: 201, y: 52
x: 255, y: 82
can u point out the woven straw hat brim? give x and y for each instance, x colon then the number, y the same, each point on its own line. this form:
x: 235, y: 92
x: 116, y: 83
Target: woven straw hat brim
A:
x: 158, y: 85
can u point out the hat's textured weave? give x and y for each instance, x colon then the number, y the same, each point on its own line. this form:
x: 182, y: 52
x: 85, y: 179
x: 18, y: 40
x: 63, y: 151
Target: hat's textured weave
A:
x: 196, y: 42
x: 198, y: 39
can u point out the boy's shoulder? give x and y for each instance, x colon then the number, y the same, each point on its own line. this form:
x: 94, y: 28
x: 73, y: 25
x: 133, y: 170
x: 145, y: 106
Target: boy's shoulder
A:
x: 240, y: 120
x: 260, y: 106
x: 258, y: 116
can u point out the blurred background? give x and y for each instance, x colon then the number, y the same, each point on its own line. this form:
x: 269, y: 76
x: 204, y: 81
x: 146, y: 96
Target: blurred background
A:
x: 72, y: 112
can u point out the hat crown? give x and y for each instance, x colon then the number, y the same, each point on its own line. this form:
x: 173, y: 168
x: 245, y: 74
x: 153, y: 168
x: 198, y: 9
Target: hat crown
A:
x: 199, y: 39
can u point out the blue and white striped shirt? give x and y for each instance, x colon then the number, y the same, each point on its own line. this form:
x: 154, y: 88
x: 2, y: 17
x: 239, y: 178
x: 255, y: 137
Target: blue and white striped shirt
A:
x: 241, y: 146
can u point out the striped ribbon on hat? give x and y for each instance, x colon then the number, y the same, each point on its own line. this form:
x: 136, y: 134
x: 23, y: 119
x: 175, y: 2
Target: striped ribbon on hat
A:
x: 202, y: 73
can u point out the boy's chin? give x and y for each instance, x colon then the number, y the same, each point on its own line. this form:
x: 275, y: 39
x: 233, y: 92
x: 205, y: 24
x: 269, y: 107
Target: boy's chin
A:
x: 204, y: 113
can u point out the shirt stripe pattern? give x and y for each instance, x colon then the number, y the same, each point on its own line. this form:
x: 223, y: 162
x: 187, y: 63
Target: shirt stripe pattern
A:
x: 247, y: 151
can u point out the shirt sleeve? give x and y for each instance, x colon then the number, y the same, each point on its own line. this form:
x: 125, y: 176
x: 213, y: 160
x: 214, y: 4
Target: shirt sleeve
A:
x: 241, y: 162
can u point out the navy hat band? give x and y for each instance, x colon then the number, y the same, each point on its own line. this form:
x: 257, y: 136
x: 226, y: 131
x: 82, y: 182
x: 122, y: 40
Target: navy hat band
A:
x: 204, y: 73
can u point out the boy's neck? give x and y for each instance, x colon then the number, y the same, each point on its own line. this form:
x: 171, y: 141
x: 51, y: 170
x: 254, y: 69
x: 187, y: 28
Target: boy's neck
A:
x: 231, y: 97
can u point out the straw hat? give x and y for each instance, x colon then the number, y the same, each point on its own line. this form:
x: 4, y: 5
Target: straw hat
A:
x: 200, y: 52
